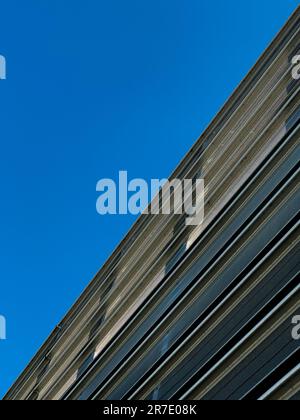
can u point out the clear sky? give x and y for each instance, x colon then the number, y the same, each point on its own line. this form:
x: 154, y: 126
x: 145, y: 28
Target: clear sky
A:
x: 95, y: 87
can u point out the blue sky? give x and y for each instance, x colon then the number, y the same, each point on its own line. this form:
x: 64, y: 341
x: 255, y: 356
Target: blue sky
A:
x: 95, y: 87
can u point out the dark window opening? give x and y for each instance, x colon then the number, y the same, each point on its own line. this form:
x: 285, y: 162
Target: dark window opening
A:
x: 293, y: 119
x: 176, y: 257
x: 34, y: 395
x: 87, y: 362
x: 97, y: 325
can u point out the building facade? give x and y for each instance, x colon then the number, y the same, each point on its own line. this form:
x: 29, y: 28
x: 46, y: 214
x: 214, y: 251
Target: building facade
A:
x: 207, y: 312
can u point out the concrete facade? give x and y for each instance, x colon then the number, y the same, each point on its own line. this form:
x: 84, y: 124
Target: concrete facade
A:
x: 200, y: 312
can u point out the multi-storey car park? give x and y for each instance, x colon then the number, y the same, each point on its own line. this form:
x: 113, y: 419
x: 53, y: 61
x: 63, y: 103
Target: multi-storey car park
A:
x: 201, y: 312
